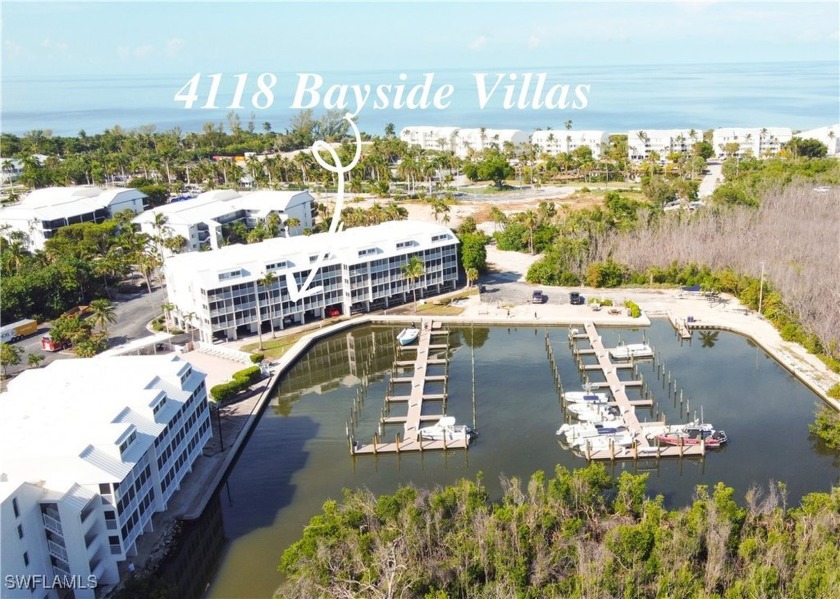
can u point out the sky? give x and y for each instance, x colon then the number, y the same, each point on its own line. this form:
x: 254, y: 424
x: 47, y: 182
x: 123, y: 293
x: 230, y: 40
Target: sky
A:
x: 79, y: 38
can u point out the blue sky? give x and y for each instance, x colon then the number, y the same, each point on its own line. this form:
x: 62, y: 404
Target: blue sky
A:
x: 70, y: 38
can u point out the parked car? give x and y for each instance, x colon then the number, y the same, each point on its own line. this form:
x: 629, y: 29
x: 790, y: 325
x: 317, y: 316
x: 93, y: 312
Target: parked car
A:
x: 538, y: 297
x: 332, y: 311
x: 576, y: 299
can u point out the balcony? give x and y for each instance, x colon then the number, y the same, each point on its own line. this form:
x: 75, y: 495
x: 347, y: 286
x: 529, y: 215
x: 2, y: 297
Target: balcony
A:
x: 57, y: 551
x: 52, y: 525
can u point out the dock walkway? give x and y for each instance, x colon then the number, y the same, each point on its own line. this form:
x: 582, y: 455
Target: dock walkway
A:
x: 412, y: 420
x: 642, y: 447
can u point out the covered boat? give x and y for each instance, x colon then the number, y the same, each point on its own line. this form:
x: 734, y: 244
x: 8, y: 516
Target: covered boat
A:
x: 633, y: 350
x: 446, y: 429
x: 408, y: 336
x: 593, y: 412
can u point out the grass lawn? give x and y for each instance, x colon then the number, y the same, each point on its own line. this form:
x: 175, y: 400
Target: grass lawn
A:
x: 275, y: 348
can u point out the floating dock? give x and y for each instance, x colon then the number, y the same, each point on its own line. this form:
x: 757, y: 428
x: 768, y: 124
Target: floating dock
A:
x: 642, y: 447
x: 412, y: 420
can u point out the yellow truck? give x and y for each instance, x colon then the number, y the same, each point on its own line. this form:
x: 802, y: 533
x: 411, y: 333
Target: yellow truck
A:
x: 17, y: 330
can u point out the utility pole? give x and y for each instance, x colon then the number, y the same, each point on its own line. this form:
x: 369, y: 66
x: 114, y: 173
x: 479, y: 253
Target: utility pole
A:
x: 761, y: 288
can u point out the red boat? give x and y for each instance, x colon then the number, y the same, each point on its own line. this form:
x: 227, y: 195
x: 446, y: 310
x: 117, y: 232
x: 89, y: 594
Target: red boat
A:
x: 694, y: 437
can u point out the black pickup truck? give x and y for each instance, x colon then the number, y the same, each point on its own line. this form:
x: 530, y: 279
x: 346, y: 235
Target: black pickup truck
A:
x: 576, y: 299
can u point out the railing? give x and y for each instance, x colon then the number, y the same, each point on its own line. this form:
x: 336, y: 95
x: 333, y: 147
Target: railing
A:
x: 52, y: 525
x: 57, y: 550
x: 61, y: 571
x: 116, y: 549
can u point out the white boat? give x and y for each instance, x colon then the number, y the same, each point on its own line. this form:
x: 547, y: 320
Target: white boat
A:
x: 603, y: 442
x: 586, y: 397
x: 633, y: 350
x: 408, y: 336
x: 593, y: 412
x: 573, y: 432
x: 445, y: 429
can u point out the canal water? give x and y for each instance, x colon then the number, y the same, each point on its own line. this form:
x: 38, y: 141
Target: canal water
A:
x: 297, y: 456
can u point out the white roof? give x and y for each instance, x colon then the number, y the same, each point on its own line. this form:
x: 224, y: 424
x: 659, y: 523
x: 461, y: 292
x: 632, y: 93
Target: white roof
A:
x: 561, y: 134
x: 61, y: 423
x: 212, y: 204
x: 63, y: 202
x: 297, y: 251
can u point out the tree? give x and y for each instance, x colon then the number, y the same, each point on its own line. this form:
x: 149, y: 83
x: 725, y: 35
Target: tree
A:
x: 472, y: 276
x: 102, y: 313
x: 413, y: 270
x: 267, y: 281
x: 10, y: 355
x: 34, y: 360
x: 806, y: 148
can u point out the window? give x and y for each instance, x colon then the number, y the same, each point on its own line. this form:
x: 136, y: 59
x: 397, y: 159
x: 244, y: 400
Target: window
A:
x: 276, y: 265
x: 125, y: 444
x: 20, y: 531
x: 104, y: 489
x: 26, y: 558
x: 367, y: 252
x: 15, y: 507
x: 231, y: 274
x: 158, y: 406
x: 404, y: 244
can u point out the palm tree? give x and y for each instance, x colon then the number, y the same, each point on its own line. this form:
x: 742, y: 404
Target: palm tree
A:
x: 292, y: 223
x: 413, y: 270
x: 167, y: 308
x: 259, y: 312
x: 472, y: 276
x: 189, y: 317
x: 34, y: 360
x: 267, y: 281
x: 102, y: 313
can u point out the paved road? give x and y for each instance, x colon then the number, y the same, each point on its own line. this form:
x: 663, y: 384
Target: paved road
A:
x: 133, y: 314
x: 711, y: 181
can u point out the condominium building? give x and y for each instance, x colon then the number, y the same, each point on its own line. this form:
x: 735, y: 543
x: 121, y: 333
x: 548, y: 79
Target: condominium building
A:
x: 560, y: 141
x: 41, y: 213
x: 430, y: 138
x: 478, y: 140
x: 758, y: 142
x: 220, y: 293
x: 829, y: 135
x: 462, y: 141
x: 91, y: 450
x: 200, y: 220
x: 642, y: 142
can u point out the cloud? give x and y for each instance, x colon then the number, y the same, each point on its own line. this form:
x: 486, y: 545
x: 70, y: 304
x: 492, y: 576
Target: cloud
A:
x: 49, y: 44
x: 172, y: 47
x: 533, y: 41
x: 478, y: 43
x: 137, y: 52
x: 14, y: 49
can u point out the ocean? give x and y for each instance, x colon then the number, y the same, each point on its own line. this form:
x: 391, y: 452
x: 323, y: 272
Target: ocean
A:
x: 800, y: 95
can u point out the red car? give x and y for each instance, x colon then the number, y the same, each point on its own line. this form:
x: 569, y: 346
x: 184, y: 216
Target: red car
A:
x: 333, y: 311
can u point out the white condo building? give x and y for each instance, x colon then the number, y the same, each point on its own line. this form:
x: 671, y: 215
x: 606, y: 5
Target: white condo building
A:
x: 41, y: 213
x: 759, y: 142
x: 462, y: 141
x: 361, y: 272
x: 829, y: 135
x: 430, y: 138
x: 91, y: 449
x: 200, y: 220
x: 565, y: 142
x: 641, y: 142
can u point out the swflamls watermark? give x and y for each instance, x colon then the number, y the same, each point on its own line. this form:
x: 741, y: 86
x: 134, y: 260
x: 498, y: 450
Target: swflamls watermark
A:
x: 43, y: 581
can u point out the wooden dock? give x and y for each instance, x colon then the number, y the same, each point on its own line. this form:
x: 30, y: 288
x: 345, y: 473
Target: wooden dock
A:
x: 680, y: 326
x: 411, y: 422
x: 642, y: 447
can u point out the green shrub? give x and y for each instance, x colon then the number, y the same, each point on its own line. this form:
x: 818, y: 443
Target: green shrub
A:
x: 834, y: 392
x: 225, y: 391
x: 833, y: 364
x: 635, y: 310
x: 827, y: 426
x: 249, y: 375
x: 257, y: 358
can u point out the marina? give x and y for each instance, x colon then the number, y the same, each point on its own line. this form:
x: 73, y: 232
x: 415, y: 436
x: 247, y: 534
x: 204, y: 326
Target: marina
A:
x: 641, y: 447
x: 414, y: 437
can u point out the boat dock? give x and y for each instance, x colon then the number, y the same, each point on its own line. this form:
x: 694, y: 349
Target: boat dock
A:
x: 642, y: 447
x: 429, y: 331
x: 680, y: 326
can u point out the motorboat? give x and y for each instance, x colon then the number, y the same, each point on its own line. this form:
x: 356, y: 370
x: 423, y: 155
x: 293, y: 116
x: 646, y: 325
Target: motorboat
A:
x: 446, y: 429
x: 691, y: 433
x: 408, y: 336
x: 603, y: 442
x: 593, y: 412
x: 633, y: 350
x: 590, y: 429
x: 586, y: 397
